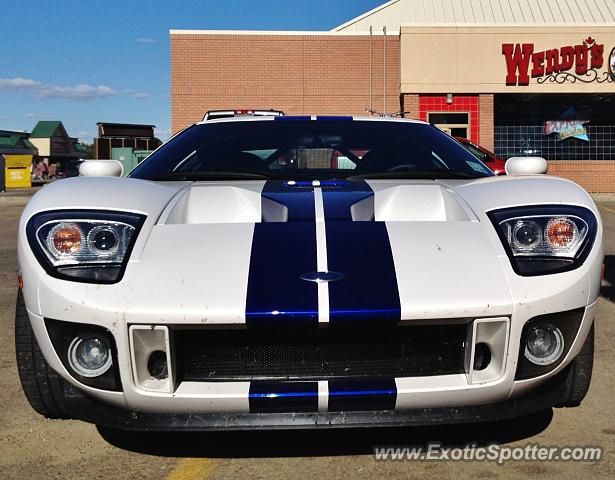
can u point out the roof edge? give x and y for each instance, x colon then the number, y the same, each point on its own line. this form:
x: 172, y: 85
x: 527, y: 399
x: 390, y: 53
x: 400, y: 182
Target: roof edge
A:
x: 276, y: 32
x: 356, y: 118
x: 115, y: 124
x: 21, y: 133
x: 365, y: 15
x: 506, y: 25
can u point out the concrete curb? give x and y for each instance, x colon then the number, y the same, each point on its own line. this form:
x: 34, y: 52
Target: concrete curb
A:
x: 603, y: 197
x: 14, y: 200
x: 19, y: 196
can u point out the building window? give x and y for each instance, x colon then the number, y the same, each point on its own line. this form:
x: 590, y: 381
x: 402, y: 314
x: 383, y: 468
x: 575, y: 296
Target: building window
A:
x: 521, y: 121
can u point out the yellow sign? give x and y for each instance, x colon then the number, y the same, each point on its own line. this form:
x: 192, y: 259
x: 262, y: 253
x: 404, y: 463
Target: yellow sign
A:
x: 18, y: 171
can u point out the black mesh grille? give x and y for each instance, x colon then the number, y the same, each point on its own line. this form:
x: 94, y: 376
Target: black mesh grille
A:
x: 319, y: 353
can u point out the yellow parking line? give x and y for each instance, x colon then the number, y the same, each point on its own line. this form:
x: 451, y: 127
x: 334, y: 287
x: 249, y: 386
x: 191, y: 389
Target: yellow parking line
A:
x: 608, y: 209
x: 192, y: 469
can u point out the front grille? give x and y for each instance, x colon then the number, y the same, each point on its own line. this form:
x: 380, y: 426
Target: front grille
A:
x: 287, y: 353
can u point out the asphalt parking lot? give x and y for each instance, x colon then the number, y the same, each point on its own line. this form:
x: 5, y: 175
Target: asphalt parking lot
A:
x: 32, y: 447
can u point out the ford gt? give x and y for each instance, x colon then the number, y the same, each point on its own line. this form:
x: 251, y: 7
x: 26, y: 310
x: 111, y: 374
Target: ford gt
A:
x: 307, y: 272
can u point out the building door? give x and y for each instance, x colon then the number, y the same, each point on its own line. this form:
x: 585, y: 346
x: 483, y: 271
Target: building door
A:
x: 456, y: 124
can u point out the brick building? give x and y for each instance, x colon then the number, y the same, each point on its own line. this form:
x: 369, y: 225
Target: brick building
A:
x: 519, y: 77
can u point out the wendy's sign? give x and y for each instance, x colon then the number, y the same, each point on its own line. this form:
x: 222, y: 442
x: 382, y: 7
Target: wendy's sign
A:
x: 568, y: 63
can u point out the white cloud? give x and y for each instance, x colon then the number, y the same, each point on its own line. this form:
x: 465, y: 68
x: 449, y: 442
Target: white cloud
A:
x: 78, y: 92
x: 145, y: 40
x: 163, y: 133
x: 44, y: 90
x: 85, y: 136
x: 18, y: 83
x: 136, y: 94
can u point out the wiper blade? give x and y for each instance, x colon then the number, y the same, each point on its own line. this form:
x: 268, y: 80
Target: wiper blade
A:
x: 210, y: 175
x: 417, y: 174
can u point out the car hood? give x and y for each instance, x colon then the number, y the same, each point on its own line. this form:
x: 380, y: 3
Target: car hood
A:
x: 272, y: 252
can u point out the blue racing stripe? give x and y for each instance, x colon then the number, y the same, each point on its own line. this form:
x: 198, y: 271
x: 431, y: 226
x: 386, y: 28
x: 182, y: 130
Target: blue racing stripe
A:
x: 334, y: 118
x: 361, y: 250
x: 281, y: 253
x: 290, y: 118
x: 339, y: 197
x: 354, y: 395
x: 283, y: 397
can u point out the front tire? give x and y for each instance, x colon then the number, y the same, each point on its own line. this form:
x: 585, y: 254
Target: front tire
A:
x: 41, y: 385
x: 580, y: 374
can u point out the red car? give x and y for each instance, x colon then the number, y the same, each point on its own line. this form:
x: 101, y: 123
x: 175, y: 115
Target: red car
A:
x: 488, y: 158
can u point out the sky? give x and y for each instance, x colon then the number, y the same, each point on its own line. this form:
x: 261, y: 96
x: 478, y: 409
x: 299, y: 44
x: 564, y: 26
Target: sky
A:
x: 86, y: 61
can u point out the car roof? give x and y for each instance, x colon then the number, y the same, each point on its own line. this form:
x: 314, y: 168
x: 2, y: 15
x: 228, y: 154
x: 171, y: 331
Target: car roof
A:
x: 212, y: 114
x: 327, y: 118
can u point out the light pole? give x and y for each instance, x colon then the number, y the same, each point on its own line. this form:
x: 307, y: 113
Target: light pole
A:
x: 2, y: 174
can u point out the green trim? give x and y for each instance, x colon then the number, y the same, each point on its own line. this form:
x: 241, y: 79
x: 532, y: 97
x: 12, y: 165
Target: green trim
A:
x: 16, y: 144
x: 45, y: 129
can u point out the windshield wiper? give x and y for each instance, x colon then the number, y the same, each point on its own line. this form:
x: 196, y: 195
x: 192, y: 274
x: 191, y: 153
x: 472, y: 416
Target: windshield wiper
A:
x: 417, y: 174
x: 210, y: 175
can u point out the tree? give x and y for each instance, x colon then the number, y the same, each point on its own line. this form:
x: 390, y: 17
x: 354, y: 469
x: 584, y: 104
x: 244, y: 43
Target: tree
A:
x: 89, y: 150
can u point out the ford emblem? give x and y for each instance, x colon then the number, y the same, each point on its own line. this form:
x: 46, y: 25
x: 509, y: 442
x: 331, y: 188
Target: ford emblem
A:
x: 322, y: 277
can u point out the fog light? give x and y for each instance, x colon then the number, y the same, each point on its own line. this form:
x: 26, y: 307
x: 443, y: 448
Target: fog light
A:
x: 89, y: 356
x: 157, y: 365
x: 544, y: 345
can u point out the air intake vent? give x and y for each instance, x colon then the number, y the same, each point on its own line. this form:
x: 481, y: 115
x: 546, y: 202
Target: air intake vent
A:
x: 313, y: 353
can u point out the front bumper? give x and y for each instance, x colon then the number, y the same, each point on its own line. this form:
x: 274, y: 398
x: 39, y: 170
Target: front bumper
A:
x: 439, y: 396
x: 82, y: 407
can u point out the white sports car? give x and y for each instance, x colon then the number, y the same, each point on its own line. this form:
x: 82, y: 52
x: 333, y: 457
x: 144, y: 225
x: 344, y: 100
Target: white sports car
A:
x: 307, y: 272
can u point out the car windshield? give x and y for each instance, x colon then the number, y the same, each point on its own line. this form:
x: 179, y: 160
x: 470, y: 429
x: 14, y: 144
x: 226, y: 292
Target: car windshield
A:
x: 304, y: 149
x: 482, y: 156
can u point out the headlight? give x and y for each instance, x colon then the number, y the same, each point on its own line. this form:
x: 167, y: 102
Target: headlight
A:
x: 545, y: 239
x: 74, y: 242
x: 84, y: 246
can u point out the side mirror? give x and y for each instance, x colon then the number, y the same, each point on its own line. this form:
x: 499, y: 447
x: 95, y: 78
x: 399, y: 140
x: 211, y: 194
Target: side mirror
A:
x: 101, y: 168
x: 526, y: 166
